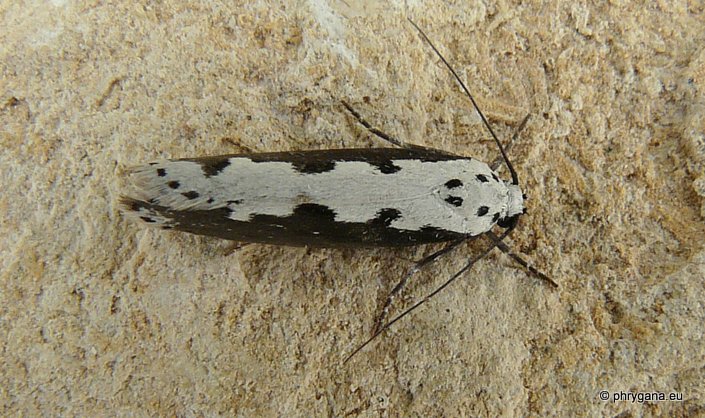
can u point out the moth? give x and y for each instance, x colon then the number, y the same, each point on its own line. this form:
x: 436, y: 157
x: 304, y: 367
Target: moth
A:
x: 376, y: 197
x: 363, y: 197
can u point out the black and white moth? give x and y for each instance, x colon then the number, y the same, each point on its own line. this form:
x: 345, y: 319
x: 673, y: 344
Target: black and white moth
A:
x: 371, y: 197
x: 376, y: 197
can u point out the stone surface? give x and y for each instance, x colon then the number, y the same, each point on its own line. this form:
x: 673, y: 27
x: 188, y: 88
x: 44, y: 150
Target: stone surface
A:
x: 99, y: 316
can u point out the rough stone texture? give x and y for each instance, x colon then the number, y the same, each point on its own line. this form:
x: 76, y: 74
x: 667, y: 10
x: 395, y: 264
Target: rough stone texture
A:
x: 99, y: 316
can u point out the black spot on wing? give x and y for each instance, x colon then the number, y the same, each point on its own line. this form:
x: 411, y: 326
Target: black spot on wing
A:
x: 455, y: 200
x: 147, y: 219
x: 386, y: 167
x: 210, y: 200
x: 482, y: 178
x: 173, y: 184
x: 482, y: 210
x: 132, y: 205
x: 191, y: 195
x: 214, y: 166
x: 322, y: 212
x: 385, y: 217
x: 452, y: 184
x: 314, y: 166
x: 161, y: 172
x: 495, y: 217
x: 494, y: 176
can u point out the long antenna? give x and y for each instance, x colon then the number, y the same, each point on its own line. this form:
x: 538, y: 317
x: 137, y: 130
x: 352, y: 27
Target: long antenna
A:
x: 515, y: 179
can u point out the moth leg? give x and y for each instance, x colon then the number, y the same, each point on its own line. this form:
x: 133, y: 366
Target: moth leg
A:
x: 379, y: 322
x: 505, y: 249
x: 231, y: 248
x: 508, y: 147
x: 428, y: 297
x: 379, y: 133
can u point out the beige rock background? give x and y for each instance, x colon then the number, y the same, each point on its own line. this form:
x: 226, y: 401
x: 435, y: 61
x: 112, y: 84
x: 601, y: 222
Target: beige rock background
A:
x: 100, y: 316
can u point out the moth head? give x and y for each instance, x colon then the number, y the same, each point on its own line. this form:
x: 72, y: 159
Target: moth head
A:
x: 515, y: 206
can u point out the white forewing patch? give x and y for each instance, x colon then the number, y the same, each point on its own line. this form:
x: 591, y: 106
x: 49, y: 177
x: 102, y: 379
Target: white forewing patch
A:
x: 355, y: 190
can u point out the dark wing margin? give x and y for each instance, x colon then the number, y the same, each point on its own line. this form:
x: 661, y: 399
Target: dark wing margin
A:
x: 309, y: 225
x: 320, y: 161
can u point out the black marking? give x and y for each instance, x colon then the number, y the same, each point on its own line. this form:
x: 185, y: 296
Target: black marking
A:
x: 214, y: 166
x: 161, y: 172
x: 235, y: 202
x: 311, y: 210
x: 319, y: 161
x: 314, y: 167
x: 174, y: 184
x: 298, y: 227
x: 495, y: 217
x: 494, y: 176
x: 147, y: 219
x: 387, y: 167
x: 385, y: 217
x: 482, y: 178
x: 452, y: 184
x: 508, y: 222
x: 191, y: 195
x: 455, y: 200
x: 482, y: 210
x: 210, y: 200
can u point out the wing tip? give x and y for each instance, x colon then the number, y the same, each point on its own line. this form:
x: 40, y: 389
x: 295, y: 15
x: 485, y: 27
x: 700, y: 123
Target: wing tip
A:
x: 145, y: 212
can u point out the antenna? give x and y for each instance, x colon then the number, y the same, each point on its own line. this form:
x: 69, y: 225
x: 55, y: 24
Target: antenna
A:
x: 515, y: 179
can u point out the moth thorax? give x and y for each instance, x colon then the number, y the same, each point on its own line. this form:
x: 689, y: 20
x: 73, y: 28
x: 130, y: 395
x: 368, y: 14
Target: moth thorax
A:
x: 515, y: 201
